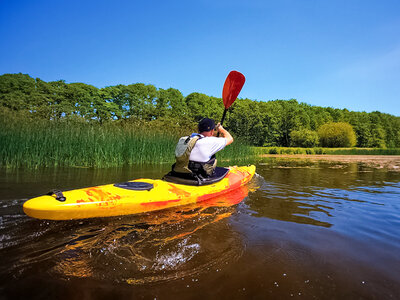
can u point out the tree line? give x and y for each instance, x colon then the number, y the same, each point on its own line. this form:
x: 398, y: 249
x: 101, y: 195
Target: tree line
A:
x: 270, y: 123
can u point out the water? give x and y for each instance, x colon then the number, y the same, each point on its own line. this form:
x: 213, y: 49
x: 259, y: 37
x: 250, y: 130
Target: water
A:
x: 299, y: 230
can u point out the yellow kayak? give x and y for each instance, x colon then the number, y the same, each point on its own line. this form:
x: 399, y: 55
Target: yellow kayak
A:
x: 132, y: 197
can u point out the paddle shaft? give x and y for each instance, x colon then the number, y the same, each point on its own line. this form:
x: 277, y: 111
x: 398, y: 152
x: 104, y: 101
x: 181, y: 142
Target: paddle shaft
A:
x: 223, y: 118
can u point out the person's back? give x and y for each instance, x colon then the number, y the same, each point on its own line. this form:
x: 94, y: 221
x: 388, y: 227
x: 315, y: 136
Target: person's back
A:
x: 196, y: 154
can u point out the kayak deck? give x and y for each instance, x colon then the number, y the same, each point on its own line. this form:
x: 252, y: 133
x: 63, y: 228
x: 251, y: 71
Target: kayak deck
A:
x: 110, y: 200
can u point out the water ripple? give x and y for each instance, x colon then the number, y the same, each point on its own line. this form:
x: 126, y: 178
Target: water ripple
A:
x: 366, y: 212
x: 151, y: 247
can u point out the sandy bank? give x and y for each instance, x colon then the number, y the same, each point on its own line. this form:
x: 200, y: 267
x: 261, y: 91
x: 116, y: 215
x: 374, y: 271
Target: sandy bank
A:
x: 390, y: 162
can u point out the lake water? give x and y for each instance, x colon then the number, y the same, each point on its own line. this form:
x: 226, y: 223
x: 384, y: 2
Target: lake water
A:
x: 308, y: 230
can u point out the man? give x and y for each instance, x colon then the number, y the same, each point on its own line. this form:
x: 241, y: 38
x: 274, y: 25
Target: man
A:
x: 195, y: 155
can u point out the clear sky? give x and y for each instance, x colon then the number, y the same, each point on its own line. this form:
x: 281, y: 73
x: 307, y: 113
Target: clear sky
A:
x: 342, y: 53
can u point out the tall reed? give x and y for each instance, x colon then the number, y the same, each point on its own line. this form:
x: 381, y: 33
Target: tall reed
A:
x: 48, y: 144
x: 41, y: 143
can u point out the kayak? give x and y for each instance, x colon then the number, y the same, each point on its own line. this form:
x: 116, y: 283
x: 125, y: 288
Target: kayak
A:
x: 132, y: 197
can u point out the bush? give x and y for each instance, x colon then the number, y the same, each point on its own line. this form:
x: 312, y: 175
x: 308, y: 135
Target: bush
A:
x: 286, y: 151
x: 336, y: 135
x: 319, y: 151
x: 304, y: 138
x: 310, y: 151
x: 273, y: 151
x: 299, y: 151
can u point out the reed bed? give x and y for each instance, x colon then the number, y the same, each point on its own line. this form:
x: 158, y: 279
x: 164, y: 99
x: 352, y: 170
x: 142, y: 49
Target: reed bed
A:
x: 330, y: 151
x: 81, y: 145
x: 42, y: 143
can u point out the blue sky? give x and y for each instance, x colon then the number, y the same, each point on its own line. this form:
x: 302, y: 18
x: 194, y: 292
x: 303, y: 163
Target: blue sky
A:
x: 343, y: 54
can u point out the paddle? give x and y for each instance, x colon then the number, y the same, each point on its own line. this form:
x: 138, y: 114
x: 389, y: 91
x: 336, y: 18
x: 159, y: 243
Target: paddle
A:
x: 232, y: 87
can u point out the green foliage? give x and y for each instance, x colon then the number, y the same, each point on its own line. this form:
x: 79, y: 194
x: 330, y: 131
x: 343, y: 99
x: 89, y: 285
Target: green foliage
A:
x: 320, y: 151
x: 202, y: 106
x: 329, y: 151
x: 32, y: 143
x: 245, y: 121
x: 17, y: 92
x: 291, y: 114
x: 304, y: 138
x: 238, y: 152
x: 170, y: 104
x: 272, y: 123
x: 310, y: 151
x: 35, y: 143
x: 339, y: 134
x: 273, y: 150
x: 378, y: 137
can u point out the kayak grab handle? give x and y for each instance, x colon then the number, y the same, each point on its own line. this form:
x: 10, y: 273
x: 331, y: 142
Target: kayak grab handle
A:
x: 59, y: 195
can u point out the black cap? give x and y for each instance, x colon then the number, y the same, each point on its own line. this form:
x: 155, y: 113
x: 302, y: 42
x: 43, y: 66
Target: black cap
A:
x: 206, y: 125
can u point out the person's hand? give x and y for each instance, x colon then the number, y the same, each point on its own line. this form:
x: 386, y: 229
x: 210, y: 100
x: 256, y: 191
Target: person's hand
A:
x: 219, y: 127
x: 225, y: 134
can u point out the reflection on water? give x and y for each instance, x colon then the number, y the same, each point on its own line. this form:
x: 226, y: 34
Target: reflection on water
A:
x: 299, y: 229
x: 140, y: 249
x: 347, y: 197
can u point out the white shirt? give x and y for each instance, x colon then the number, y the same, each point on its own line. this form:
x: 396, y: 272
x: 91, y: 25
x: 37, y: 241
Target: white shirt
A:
x: 207, y: 147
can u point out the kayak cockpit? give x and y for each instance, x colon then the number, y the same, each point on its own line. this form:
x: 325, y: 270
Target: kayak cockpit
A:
x: 189, y: 179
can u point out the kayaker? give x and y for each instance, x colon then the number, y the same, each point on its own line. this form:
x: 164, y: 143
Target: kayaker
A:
x: 195, y: 154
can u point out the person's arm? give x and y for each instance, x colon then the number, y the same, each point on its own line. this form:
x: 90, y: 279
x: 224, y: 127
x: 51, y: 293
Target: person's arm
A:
x: 225, y: 134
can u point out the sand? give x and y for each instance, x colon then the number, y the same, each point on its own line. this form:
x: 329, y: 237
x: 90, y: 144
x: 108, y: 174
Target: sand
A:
x: 390, y: 162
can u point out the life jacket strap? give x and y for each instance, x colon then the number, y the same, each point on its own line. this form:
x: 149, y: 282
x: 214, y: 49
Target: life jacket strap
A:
x: 204, y: 169
x: 182, y: 161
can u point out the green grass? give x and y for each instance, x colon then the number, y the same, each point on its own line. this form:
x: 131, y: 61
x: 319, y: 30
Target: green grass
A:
x: 41, y: 143
x: 236, y: 153
x: 81, y: 145
x: 30, y: 143
x: 331, y: 151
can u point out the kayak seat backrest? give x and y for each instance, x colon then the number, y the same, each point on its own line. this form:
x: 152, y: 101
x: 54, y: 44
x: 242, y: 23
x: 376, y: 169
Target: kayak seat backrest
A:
x: 135, y: 185
x: 188, y: 179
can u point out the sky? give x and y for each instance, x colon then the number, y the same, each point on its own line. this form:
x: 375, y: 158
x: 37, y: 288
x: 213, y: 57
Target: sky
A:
x: 341, y: 54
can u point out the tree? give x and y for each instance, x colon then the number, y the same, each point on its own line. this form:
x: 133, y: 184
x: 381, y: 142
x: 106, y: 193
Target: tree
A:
x: 319, y: 116
x: 272, y: 123
x: 291, y: 118
x: 170, y: 103
x: 141, y: 100
x: 16, y: 91
x: 62, y: 99
x: 304, y: 138
x: 119, y: 96
x: 202, y: 106
x: 245, y: 121
x: 339, y: 134
x: 378, y: 137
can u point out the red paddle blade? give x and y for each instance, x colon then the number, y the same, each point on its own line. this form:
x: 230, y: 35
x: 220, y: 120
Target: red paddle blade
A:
x: 232, y: 87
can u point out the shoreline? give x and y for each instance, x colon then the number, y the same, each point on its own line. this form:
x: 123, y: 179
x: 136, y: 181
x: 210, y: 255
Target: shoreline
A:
x: 390, y: 162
